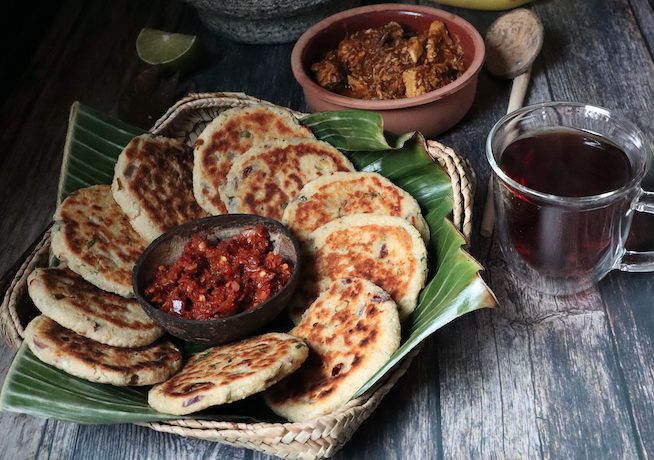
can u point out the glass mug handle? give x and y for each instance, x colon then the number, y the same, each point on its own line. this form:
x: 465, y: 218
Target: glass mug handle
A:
x: 637, y: 261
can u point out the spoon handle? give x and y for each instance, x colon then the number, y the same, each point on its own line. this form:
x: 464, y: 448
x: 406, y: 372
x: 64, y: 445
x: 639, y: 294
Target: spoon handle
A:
x: 519, y: 90
x: 517, y: 97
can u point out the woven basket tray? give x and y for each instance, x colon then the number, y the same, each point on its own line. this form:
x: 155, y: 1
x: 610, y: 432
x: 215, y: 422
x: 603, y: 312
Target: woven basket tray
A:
x: 317, y: 438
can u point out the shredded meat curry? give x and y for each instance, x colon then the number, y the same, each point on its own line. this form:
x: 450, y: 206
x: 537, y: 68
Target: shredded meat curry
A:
x: 387, y: 63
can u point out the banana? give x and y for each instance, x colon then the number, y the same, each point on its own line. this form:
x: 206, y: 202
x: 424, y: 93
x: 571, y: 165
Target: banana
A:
x: 484, y: 4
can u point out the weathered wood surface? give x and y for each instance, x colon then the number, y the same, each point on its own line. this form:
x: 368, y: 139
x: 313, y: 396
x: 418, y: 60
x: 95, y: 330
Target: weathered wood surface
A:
x: 541, y: 376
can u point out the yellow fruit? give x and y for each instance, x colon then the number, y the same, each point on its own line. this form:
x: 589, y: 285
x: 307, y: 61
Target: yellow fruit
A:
x: 484, y: 4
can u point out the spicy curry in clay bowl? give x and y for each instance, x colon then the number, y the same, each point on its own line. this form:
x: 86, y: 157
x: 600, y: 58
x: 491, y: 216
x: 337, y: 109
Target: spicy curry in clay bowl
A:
x: 218, y: 279
x: 431, y: 86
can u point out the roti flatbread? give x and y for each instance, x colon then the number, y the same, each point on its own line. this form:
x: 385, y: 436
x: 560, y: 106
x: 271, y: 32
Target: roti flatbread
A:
x: 352, y: 330
x: 344, y: 193
x: 229, y: 136
x: 95, y: 239
x: 383, y: 249
x: 153, y: 185
x: 229, y: 373
x: 76, y: 304
x: 96, y: 362
x: 264, y: 180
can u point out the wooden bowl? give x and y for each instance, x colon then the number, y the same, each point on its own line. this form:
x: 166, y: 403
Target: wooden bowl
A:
x: 430, y: 113
x: 166, y: 249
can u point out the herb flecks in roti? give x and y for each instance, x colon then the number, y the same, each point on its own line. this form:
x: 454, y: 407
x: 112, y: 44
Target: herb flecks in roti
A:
x: 229, y: 373
x: 153, y: 184
x: 229, y: 136
x: 352, y: 329
x: 95, y: 239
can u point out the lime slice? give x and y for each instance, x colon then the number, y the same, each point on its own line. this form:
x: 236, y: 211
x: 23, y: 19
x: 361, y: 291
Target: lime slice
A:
x: 177, y: 52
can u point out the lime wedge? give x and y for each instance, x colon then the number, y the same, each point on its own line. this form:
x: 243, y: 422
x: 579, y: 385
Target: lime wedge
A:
x: 177, y: 52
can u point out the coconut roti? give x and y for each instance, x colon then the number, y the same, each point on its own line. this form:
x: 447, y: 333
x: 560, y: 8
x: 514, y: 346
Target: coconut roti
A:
x: 352, y: 330
x: 265, y: 180
x: 386, y: 250
x: 230, y: 135
x: 229, y: 373
x: 95, y: 239
x: 96, y: 362
x: 76, y: 304
x: 153, y: 184
x: 340, y: 194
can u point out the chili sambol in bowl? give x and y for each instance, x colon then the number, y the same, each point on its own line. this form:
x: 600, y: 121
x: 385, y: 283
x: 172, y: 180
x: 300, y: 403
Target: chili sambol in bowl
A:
x: 218, y: 279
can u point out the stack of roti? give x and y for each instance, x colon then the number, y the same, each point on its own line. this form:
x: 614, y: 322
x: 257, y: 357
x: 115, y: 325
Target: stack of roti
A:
x: 363, y: 241
x: 91, y: 327
x: 95, y: 335
x: 352, y: 330
x: 256, y: 159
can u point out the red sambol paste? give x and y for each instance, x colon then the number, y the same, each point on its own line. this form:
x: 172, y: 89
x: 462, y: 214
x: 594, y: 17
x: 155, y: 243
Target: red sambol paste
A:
x: 211, y: 281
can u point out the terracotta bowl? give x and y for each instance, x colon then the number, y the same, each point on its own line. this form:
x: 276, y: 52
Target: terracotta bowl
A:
x: 168, y: 247
x: 430, y: 113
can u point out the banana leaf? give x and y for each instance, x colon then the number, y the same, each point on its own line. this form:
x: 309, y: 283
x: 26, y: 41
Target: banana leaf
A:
x: 454, y: 286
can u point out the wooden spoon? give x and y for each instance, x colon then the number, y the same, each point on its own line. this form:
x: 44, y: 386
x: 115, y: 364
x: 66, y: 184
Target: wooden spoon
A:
x: 512, y: 43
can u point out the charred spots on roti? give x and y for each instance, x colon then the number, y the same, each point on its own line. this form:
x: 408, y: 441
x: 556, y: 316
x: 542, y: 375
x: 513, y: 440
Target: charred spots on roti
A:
x: 337, y: 369
x: 228, y: 138
x: 349, y: 194
x: 230, y: 372
x: 160, y: 179
x: 371, y: 334
x: 80, y: 295
x: 360, y: 258
x: 194, y: 387
x: 129, y: 171
x: 126, y: 361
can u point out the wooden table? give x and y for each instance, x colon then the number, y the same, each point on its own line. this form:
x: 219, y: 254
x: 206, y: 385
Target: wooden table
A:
x: 537, y: 377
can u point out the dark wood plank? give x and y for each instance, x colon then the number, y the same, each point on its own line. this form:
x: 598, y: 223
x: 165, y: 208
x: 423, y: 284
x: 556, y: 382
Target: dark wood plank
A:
x: 644, y: 16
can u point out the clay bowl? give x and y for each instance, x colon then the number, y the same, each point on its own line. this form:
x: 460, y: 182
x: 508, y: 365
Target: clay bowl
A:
x: 430, y: 113
x: 168, y: 247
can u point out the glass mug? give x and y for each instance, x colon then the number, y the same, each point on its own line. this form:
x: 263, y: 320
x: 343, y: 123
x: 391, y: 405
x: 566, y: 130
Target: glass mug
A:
x: 565, y: 244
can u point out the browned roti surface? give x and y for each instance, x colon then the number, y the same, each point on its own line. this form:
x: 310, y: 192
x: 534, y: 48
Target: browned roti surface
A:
x: 153, y: 184
x: 76, y: 304
x: 386, y: 250
x: 90, y: 360
x: 94, y: 237
x: 344, y: 193
x: 230, y: 135
x: 229, y: 373
x: 352, y: 329
x: 266, y: 179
